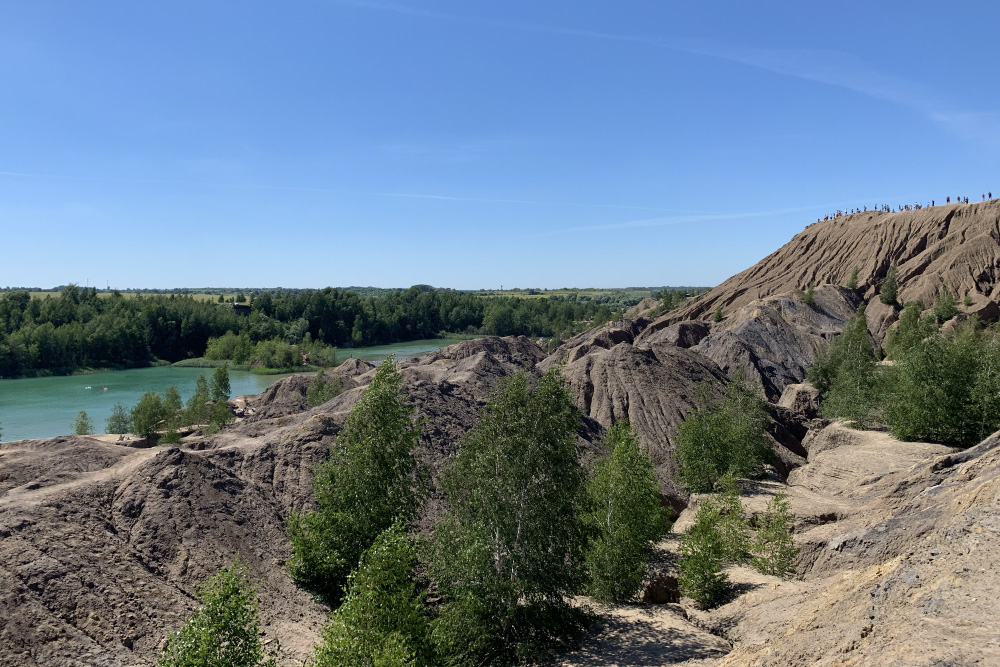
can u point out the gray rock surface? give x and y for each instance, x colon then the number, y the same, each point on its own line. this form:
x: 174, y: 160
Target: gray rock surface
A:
x: 773, y: 341
x: 801, y: 399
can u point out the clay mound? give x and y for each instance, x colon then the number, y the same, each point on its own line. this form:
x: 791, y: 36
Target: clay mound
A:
x: 99, y: 569
x: 651, y: 387
x: 287, y: 396
x: 643, y: 308
x: 284, y: 397
x: 603, y: 337
x: 957, y: 246
x: 773, y: 341
x: 38, y: 463
x: 477, y: 358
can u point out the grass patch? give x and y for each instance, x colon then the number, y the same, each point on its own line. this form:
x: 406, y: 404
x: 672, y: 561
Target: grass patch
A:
x: 202, y: 362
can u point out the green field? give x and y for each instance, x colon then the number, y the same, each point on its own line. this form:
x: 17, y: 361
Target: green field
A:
x: 638, y: 293
x: 103, y: 294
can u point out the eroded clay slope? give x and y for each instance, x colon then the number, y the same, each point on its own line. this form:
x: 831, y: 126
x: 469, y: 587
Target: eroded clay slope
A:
x: 899, y: 545
x: 956, y: 245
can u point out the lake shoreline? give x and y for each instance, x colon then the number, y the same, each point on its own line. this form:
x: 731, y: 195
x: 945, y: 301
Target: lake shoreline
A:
x: 202, y: 362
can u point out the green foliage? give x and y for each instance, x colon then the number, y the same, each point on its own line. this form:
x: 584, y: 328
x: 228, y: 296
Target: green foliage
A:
x: 119, y: 421
x: 370, y: 481
x: 721, y: 438
x: 731, y: 521
x: 847, y: 375
x: 941, y: 388
x: 717, y: 316
x: 170, y: 436
x: 220, y: 384
x: 79, y: 329
x: 147, y: 414
x: 808, y: 296
x: 967, y: 301
x: 625, y: 517
x: 944, y: 305
x: 889, y: 291
x: 510, y: 546
x: 382, y: 619
x: 946, y: 389
x: 82, y: 425
x: 320, y: 391
x: 198, y: 407
x: 221, y: 416
x: 702, y: 557
x: 910, y: 331
x: 852, y: 282
x: 773, y: 551
x: 224, y: 631
x: 720, y: 536
x: 171, y: 403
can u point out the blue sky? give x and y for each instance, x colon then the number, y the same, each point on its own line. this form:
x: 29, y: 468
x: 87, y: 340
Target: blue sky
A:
x: 536, y: 144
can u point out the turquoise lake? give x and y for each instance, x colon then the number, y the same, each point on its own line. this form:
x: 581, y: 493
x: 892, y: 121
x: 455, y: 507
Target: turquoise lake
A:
x: 46, y: 407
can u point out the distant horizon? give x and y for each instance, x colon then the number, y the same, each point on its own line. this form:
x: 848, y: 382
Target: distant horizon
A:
x: 212, y: 290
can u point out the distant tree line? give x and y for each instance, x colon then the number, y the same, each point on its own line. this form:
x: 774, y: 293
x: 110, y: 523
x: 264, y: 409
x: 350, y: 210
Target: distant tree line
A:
x: 80, y: 329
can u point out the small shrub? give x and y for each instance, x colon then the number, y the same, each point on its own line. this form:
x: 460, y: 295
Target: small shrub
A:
x: 717, y: 316
x: 320, y: 391
x: 910, y: 331
x: 967, y: 301
x: 852, y: 282
x: 944, y: 305
x: 225, y: 630
x: 773, y: 551
x: 847, y: 375
x: 889, y: 291
x: 198, y: 407
x: 808, y: 297
x: 721, y: 438
x: 382, y: 619
x: 703, y: 555
x: 119, y: 421
x: 625, y: 517
x: 147, y: 414
x: 946, y: 389
x: 221, y: 416
x: 82, y: 425
x: 220, y: 384
x: 170, y: 436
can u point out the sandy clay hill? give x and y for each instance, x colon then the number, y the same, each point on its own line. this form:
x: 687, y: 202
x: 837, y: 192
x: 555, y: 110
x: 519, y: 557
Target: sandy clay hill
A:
x: 102, y: 545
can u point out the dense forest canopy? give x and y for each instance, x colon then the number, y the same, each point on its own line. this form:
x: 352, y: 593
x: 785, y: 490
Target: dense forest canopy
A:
x: 81, y: 328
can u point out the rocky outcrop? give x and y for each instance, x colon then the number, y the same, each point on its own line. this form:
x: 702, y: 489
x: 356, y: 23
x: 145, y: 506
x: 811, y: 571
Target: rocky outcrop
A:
x: 880, y: 317
x: 802, y: 399
x: 773, y: 341
x: 682, y: 334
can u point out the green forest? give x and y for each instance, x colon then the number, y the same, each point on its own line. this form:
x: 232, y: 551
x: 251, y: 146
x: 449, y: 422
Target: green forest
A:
x: 82, y: 329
